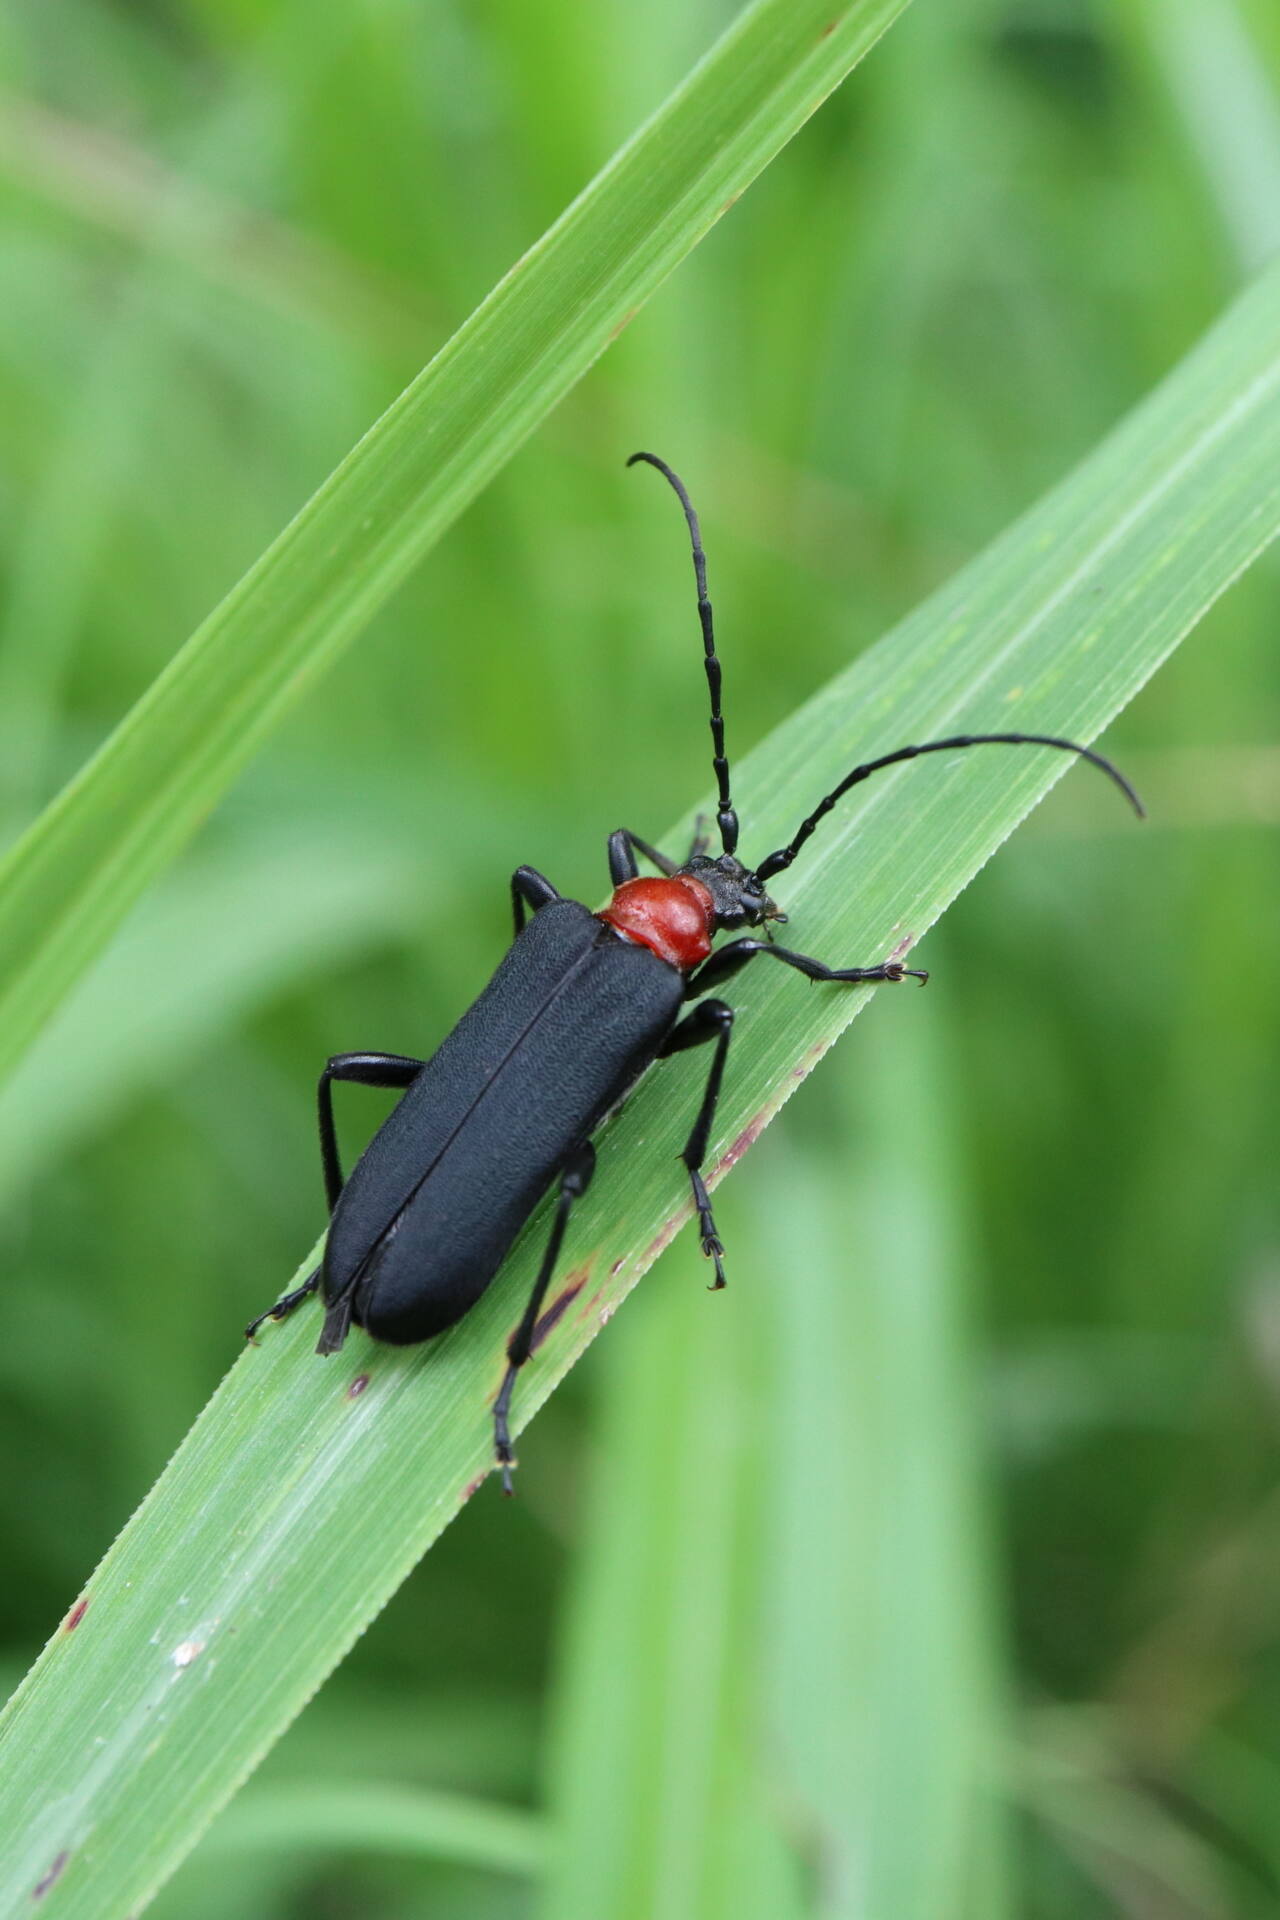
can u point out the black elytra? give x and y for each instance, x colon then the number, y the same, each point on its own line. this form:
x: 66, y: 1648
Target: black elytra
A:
x: 581, y: 1005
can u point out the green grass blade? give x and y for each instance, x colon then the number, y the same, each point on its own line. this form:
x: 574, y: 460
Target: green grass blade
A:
x: 198, y: 952
x: 1229, y: 112
x: 379, y: 1817
x: 305, y: 1492
x: 67, y: 885
x: 778, y: 1611
x: 884, y: 1650
x: 661, y: 1802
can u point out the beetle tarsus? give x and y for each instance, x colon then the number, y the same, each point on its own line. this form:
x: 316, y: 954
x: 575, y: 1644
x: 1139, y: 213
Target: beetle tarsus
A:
x: 507, y: 1464
x: 894, y: 972
x: 284, y: 1307
x: 712, y: 1245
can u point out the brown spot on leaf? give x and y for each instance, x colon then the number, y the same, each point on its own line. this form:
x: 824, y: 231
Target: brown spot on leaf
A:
x: 903, y: 947
x: 54, y: 1872
x: 809, y: 1060
x: 357, y: 1386
x: 624, y: 323
x: 662, y: 1240
x: 473, y: 1486
x: 747, y: 1138
x: 76, y: 1615
x: 828, y: 30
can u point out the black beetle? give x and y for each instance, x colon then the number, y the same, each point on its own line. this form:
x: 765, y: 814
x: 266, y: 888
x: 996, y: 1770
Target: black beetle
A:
x: 581, y: 1005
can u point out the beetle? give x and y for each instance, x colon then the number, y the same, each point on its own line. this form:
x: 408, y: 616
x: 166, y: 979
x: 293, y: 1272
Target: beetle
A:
x: 580, y: 1007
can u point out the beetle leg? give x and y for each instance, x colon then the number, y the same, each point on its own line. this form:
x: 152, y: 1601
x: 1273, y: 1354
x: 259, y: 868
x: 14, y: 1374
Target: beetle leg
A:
x: 623, y: 848
x: 574, y: 1181
x: 283, y: 1308
x: 713, y: 1020
x: 365, y: 1070
x: 701, y: 839
x: 532, y: 889
x: 729, y: 960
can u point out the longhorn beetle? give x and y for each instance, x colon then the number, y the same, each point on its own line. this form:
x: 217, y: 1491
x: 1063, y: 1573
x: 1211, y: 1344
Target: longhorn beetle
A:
x: 581, y: 1005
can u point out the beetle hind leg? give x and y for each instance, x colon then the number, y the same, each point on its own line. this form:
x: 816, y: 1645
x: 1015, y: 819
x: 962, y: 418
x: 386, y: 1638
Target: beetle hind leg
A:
x: 574, y: 1181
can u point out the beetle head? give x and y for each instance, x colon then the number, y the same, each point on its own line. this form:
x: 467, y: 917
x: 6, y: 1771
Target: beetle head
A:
x: 739, y: 896
x: 738, y: 891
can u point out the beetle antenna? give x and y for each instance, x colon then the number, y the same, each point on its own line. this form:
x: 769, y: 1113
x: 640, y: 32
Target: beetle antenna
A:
x: 725, y: 815
x: 776, y: 862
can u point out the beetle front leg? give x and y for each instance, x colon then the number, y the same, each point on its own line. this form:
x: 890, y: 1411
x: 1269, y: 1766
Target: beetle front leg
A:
x: 701, y: 839
x: 712, y: 1020
x: 731, y: 959
x: 574, y: 1181
x: 531, y: 889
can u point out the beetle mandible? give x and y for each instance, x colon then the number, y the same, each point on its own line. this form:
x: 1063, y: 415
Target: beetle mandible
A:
x: 581, y: 1005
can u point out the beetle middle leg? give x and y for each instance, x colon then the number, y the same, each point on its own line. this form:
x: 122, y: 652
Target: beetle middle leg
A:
x: 531, y: 889
x: 362, y: 1070
x: 285, y: 1306
x: 623, y: 848
x: 711, y: 1020
x: 574, y: 1181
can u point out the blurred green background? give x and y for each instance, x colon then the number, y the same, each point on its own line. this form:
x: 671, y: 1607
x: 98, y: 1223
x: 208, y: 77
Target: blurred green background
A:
x: 934, y: 1569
